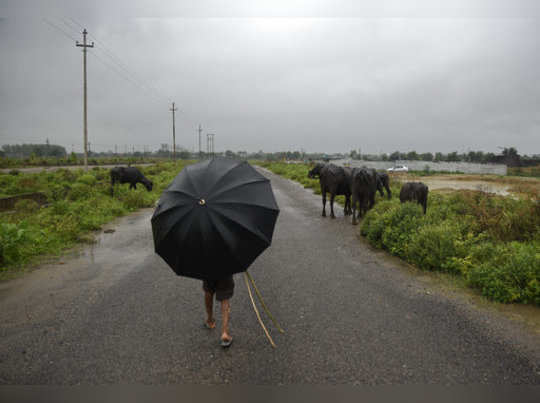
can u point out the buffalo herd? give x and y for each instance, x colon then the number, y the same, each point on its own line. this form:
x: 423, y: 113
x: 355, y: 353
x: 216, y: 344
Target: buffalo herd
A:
x: 359, y: 186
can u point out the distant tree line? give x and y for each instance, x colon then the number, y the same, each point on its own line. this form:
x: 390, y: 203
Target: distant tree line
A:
x: 508, y: 156
x: 37, y: 150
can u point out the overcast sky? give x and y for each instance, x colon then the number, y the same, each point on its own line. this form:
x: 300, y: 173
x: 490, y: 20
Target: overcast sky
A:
x: 315, y: 75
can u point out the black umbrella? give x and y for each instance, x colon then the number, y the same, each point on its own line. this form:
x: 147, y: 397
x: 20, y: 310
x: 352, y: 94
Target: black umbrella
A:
x: 214, y: 219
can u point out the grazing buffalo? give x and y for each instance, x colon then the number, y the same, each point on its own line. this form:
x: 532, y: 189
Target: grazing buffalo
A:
x: 129, y: 175
x: 414, y: 191
x: 334, y: 180
x: 363, y: 189
x: 383, y: 181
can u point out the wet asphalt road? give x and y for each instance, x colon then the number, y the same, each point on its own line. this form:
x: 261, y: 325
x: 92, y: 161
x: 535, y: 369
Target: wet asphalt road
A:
x: 116, y: 313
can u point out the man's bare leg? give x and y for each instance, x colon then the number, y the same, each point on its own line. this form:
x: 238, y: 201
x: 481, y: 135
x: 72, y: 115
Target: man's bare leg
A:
x: 209, y: 304
x: 225, y: 311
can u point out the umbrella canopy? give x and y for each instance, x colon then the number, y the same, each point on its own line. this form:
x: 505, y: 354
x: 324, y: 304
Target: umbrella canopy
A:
x: 214, y: 219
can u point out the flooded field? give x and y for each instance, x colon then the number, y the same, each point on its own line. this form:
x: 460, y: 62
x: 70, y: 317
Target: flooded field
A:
x: 503, y: 186
x: 452, y: 184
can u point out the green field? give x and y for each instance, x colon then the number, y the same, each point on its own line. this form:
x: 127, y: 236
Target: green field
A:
x: 72, y: 160
x: 490, y: 241
x: 78, y: 203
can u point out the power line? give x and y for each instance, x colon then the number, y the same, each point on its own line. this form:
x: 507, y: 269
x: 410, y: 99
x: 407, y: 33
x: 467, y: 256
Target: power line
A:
x: 59, y: 30
x: 124, y: 76
x: 133, y: 77
x: 109, y: 59
x: 70, y: 25
x: 117, y: 66
x: 118, y: 62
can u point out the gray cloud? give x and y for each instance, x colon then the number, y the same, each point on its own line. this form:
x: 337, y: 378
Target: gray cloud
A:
x: 322, y: 84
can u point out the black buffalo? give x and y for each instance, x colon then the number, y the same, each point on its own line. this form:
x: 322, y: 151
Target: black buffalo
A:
x: 363, y: 188
x: 414, y: 191
x: 383, y: 181
x: 334, y: 180
x: 129, y: 175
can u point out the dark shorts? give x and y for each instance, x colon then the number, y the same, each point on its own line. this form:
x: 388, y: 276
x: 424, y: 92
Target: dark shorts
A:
x: 223, y: 288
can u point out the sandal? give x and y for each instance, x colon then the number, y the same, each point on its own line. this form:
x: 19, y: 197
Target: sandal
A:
x: 207, y: 326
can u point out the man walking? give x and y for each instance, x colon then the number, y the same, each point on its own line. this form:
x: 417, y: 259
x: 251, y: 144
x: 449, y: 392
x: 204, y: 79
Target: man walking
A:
x: 223, y: 289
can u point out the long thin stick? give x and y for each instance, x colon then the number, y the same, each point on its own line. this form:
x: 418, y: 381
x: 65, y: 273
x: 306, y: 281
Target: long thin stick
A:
x: 257, y: 313
x: 263, y: 304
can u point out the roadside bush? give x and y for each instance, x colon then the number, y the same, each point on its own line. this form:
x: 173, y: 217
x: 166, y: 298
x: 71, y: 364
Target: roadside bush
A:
x: 68, y: 175
x: 134, y: 199
x: 58, y: 192
x: 438, y: 247
x: 11, y: 189
x: 510, y: 274
x: 87, y: 179
x: 26, y: 206
x: 101, y: 174
x: 399, y: 225
x: 11, y: 238
x: 27, y: 184
x: 8, y: 184
x: 79, y: 191
x: 373, y: 224
x: 503, y: 219
x: 60, y: 207
x: 68, y: 228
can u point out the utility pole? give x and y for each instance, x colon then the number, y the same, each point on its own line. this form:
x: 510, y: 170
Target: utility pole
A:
x: 200, y: 131
x: 210, y: 143
x: 173, y: 109
x: 84, y: 45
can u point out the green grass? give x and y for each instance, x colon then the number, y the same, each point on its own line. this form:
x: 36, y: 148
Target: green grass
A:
x: 491, y: 242
x: 7, y: 162
x: 78, y: 203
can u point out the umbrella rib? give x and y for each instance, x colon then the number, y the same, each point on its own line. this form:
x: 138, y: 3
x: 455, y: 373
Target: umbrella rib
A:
x: 221, y: 191
x: 192, y: 183
x: 245, y: 204
x: 174, y: 206
x: 179, y: 191
x: 255, y: 232
x: 223, y: 238
x: 179, y: 221
x: 224, y: 174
